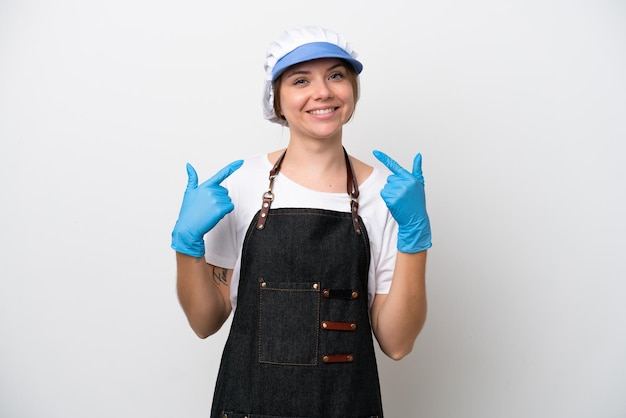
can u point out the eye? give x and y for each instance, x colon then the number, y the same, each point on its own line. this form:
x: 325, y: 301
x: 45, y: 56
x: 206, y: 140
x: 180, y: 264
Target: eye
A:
x: 337, y: 75
x: 299, y: 81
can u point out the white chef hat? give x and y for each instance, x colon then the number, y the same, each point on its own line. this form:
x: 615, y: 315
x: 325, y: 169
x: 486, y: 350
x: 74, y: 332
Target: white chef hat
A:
x: 298, y: 45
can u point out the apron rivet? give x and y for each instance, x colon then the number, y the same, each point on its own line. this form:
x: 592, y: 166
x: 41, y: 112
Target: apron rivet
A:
x: 315, y: 285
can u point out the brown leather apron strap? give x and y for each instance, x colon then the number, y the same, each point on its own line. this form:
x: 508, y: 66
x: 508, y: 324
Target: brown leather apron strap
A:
x: 338, y: 326
x: 352, y: 188
x: 353, y: 191
x: 268, y: 196
x: 337, y: 358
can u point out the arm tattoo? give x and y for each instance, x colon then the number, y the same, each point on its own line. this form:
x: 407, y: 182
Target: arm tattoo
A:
x: 219, y: 275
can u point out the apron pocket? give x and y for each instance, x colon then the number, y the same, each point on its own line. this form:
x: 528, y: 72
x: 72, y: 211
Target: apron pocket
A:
x: 289, y: 323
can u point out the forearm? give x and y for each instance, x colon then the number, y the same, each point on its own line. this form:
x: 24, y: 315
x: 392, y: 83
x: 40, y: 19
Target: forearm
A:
x: 398, y: 318
x: 204, y: 298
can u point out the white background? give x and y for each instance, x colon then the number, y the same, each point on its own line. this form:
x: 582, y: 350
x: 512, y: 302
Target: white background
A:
x: 518, y: 108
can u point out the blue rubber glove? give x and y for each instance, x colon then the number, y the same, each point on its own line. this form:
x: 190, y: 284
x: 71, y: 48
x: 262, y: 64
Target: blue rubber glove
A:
x: 404, y: 196
x: 203, y: 207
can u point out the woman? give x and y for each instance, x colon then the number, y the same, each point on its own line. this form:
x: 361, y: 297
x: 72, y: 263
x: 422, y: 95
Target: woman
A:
x: 313, y: 264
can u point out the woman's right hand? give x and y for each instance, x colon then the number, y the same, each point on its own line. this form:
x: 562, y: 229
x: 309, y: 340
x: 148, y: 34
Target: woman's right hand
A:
x: 203, y: 207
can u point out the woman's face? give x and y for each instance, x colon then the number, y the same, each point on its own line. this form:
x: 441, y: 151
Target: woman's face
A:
x: 317, y: 97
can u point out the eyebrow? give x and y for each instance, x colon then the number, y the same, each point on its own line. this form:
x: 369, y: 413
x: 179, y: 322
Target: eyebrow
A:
x: 297, y: 72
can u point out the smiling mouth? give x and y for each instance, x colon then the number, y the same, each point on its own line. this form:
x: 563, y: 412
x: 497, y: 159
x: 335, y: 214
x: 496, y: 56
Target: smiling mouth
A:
x: 322, y: 111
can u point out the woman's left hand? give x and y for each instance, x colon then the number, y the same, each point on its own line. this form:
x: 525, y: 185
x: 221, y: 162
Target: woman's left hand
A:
x: 405, y: 198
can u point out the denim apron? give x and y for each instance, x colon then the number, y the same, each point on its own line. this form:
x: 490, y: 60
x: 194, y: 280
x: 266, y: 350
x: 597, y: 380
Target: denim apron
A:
x: 300, y: 344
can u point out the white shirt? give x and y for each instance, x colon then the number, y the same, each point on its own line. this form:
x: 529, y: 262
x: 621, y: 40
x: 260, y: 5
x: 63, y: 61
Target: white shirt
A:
x: 246, y: 186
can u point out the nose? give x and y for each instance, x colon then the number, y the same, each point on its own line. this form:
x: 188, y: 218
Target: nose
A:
x: 323, y: 90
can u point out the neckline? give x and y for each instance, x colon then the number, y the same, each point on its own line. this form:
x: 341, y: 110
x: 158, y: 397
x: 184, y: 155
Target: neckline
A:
x: 364, y: 184
x: 352, y: 188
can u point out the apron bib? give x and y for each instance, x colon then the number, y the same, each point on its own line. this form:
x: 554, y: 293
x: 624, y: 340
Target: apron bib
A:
x: 301, y: 344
